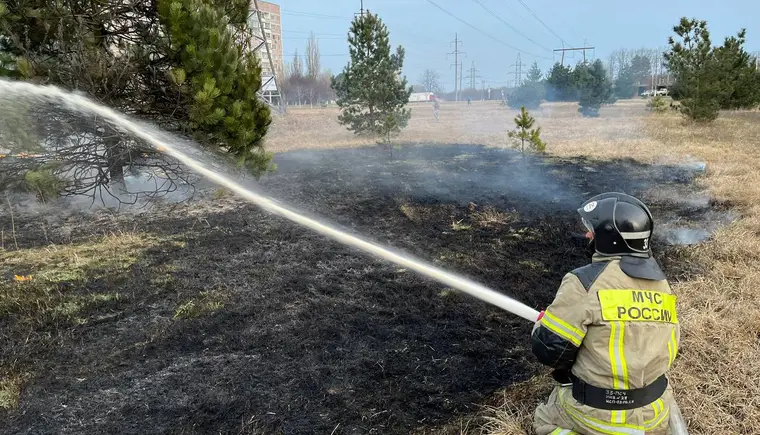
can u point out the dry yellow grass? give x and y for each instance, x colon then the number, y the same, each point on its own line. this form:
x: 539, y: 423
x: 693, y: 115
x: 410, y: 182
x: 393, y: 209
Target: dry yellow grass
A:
x: 10, y: 391
x: 717, y: 376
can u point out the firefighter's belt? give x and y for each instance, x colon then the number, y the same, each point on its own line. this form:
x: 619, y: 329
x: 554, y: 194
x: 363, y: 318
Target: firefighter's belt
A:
x: 613, y: 400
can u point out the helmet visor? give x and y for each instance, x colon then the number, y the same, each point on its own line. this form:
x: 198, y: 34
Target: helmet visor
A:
x: 588, y: 225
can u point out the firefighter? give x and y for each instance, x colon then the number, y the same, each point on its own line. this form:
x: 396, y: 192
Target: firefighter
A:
x: 612, y: 331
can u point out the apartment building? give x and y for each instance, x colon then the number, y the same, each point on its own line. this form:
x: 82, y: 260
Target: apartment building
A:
x: 272, y: 30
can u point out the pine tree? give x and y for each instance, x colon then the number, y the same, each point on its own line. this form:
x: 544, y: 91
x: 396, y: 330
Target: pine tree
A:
x: 183, y: 65
x: 531, y: 92
x: 692, y: 61
x: 561, y: 84
x: 739, y: 74
x: 371, y: 93
x: 595, y: 88
x: 219, y: 81
x: 630, y: 75
x: 657, y: 104
x: 525, y: 134
x: 534, y: 74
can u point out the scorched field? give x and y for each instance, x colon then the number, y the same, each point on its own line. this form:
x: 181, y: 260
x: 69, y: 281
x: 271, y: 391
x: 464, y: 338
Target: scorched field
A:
x: 216, y: 317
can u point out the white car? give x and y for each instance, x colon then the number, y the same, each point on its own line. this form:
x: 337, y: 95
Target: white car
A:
x: 651, y: 93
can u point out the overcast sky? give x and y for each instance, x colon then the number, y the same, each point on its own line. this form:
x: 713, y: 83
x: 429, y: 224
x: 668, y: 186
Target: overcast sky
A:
x: 492, y: 41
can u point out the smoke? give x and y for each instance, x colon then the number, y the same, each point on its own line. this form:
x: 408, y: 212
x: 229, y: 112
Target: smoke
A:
x: 83, y: 164
x: 453, y: 174
x: 461, y: 174
x: 684, y: 236
x: 202, y: 162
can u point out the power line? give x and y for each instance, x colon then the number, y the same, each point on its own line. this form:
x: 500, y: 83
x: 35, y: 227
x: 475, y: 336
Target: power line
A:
x: 302, y: 38
x: 509, y: 25
x: 473, y: 75
x: 313, y: 15
x: 518, y: 71
x: 482, y: 32
x: 457, y: 66
x: 327, y: 55
x: 315, y: 33
x: 563, y: 50
x: 542, y: 22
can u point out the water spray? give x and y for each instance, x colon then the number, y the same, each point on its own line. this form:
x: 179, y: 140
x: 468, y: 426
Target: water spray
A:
x: 82, y: 104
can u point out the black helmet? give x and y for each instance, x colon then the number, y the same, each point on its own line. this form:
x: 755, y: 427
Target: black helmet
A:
x: 621, y: 224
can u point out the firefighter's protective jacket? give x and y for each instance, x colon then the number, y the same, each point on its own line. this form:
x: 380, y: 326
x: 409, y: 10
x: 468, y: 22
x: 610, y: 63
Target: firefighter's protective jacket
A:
x: 613, y: 325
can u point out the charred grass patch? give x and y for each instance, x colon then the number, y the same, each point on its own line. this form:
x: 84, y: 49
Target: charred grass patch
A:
x: 717, y: 377
x: 225, y: 319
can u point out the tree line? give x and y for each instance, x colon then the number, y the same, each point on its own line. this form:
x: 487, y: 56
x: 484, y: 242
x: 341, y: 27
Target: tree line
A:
x: 587, y: 83
x: 304, y: 82
x: 705, y: 78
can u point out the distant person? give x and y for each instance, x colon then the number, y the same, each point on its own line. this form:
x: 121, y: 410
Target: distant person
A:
x: 436, y: 108
x: 469, y: 101
x: 611, y: 333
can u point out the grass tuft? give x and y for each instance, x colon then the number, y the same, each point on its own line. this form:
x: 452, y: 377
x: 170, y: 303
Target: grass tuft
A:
x: 460, y: 226
x: 10, y: 392
x: 207, y: 302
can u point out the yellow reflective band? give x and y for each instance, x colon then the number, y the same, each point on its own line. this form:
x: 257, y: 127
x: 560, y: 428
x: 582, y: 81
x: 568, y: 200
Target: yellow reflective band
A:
x: 659, y: 421
x: 638, y: 306
x: 562, y: 328
x: 598, y: 425
x: 672, y: 348
x: 657, y: 406
x: 615, y: 377
x: 621, y: 355
x: 618, y: 365
x: 559, y: 431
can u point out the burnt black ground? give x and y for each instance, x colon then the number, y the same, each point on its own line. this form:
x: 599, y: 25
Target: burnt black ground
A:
x: 314, y: 335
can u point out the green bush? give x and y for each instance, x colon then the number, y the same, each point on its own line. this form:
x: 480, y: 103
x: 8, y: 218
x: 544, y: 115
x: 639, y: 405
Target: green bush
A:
x: 657, y: 104
x: 44, y: 183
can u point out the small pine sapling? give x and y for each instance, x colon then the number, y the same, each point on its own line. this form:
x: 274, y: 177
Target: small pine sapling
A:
x: 524, y: 133
x: 658, y: 104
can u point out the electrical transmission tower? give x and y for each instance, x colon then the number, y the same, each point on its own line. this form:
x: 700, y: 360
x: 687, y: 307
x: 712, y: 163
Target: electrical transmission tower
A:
x: 362, y: 8
x: 518, y: 71
x: 473, y: 76
x: 270, y: 89
x: 457, y: 66
x: 563, y: 50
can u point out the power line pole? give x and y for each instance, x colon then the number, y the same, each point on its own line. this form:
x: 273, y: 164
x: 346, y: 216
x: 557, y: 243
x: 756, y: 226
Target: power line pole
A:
x: 457, y: 66
x: 473, y: 75
x: 563, y: 50
x: 461, y: 75
x: 518, y: 71
x: 362, y: 9
x: 270, y: 85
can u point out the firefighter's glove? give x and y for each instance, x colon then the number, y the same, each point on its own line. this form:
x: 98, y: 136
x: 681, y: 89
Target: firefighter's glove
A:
x: 538, y: 322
